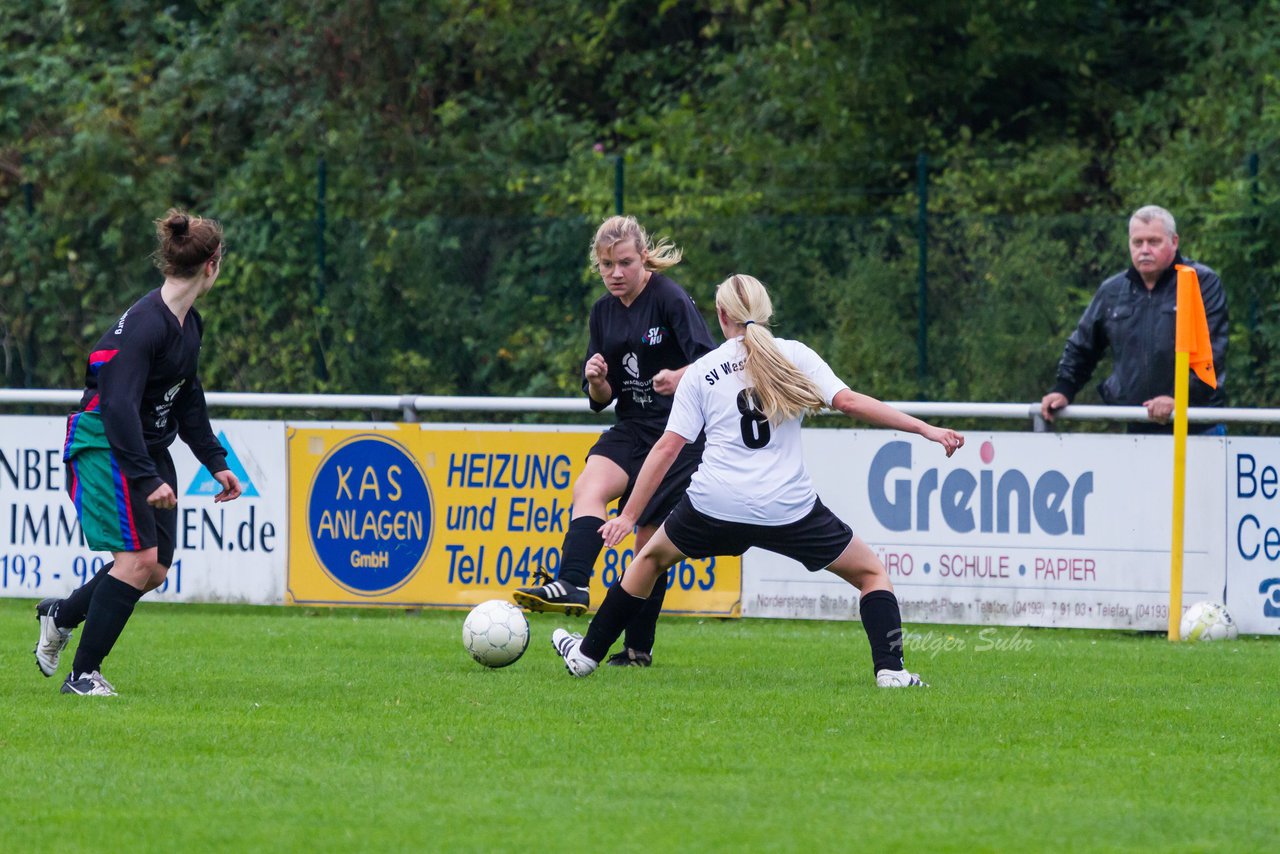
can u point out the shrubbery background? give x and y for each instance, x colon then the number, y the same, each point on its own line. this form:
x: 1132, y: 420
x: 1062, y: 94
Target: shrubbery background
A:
x: 409, y: 188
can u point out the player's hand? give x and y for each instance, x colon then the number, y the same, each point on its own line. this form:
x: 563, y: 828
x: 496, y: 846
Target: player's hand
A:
x: 1160, y: 409
x: 163, y: 498
x: 950, y: 440
x: 666, y: 381
x: 596, y: 370
x: 230, y: 486
x: 617, y: 529
x: 1051, y: 403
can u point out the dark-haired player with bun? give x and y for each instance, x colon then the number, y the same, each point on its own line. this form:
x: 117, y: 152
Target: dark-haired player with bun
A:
x: 142, y: 389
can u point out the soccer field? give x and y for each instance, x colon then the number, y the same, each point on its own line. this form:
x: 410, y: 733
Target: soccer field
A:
x: 246, y: 728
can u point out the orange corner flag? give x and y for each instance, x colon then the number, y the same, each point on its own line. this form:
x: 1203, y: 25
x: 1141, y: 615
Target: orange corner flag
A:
x: 1193, y: 327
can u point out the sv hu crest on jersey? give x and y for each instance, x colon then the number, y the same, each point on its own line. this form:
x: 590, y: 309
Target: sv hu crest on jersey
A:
x: 654, y: 336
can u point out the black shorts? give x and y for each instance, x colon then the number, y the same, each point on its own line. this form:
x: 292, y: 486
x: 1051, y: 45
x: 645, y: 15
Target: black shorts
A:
x: 627, y: 443
x: 816, y: 540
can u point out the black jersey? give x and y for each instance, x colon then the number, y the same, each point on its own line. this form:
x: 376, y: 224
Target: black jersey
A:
x: 660, y: 330
x: 142, y: 378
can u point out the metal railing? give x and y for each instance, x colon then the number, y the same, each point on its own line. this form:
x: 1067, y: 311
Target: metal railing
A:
x: 409, y: 405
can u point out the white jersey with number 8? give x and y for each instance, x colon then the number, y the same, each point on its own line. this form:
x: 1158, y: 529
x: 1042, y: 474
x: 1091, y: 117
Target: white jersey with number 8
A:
x: 752, y: 471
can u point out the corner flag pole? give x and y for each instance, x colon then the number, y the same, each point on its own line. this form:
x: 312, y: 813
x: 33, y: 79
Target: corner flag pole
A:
x: 1193, y: 351
x: 1181, y: 389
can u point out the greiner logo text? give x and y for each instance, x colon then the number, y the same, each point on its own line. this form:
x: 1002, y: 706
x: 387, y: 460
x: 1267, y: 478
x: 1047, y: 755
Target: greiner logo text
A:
x: 1056, y: 503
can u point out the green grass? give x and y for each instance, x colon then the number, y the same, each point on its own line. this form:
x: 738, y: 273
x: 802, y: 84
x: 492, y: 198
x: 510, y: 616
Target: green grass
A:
x: 243, y: 728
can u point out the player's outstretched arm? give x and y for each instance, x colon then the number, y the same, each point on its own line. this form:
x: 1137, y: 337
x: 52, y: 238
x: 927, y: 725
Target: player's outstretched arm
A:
x: 872, y: 411
x: 655, y: 468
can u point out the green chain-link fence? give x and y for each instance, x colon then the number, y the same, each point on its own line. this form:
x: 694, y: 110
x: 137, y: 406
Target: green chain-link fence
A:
x: 914, y: 302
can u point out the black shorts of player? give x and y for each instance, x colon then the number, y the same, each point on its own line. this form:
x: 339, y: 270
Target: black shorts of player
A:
x: 815, y: 541
x: 627, y: 443
x: 166, y: 520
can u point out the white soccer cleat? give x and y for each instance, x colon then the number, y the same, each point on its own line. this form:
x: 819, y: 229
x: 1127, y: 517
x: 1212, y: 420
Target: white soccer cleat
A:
x: 88, y: 685
x: 52, y: 639
x: 569, y: 644
x: 899, y: 679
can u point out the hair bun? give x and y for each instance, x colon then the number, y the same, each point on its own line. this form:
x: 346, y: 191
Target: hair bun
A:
x: 178, y: 225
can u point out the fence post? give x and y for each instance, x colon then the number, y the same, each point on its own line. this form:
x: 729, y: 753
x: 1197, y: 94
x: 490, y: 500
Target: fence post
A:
x: 29, y: 345
x: 922, y: 238
x: 322, y: 176
x: 1253, y: 223
x: 28, y: 190
x: 619, y: 183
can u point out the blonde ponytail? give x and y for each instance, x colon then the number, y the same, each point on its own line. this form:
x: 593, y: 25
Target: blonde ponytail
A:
x: 782, y: 390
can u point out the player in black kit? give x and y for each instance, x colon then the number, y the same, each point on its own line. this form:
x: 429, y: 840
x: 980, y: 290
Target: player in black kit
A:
x: 141, y: 391
x: 643, y: 334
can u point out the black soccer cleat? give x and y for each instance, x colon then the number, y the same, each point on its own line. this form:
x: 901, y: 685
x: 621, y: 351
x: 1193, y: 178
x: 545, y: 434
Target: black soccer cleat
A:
x: 557, y: 597
x: 630, y: 658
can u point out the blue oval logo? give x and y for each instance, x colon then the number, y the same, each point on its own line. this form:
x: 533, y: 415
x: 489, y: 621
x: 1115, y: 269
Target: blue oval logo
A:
x: 369, y: 515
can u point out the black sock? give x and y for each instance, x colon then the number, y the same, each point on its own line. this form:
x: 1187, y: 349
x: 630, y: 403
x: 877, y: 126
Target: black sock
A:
x: 108, y: 612
x: 883, y: 623
x: 72, y: 610
x: 640, y: 630
x: 582, y: 545
x: 616, y: 611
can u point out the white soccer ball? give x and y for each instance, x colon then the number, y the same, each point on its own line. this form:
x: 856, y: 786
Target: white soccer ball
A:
x: 496, y: 633
x: 1208, y: 621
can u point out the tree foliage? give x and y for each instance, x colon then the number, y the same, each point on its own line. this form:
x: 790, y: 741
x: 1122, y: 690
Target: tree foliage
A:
x: 467, y: 149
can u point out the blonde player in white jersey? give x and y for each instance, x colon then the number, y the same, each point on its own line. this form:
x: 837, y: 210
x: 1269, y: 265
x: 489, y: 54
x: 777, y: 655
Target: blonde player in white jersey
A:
x: 752, y: 489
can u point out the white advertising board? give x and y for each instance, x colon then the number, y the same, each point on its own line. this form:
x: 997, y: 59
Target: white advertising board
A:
x: 1253, y: 534
x: 230, y: 552
x: 1015, y: 529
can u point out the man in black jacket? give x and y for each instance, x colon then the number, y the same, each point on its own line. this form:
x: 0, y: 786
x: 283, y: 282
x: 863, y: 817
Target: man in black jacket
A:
x: 1134, y: 313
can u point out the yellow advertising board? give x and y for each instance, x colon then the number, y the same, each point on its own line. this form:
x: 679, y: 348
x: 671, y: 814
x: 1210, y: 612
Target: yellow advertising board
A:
x: 408, y: 515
